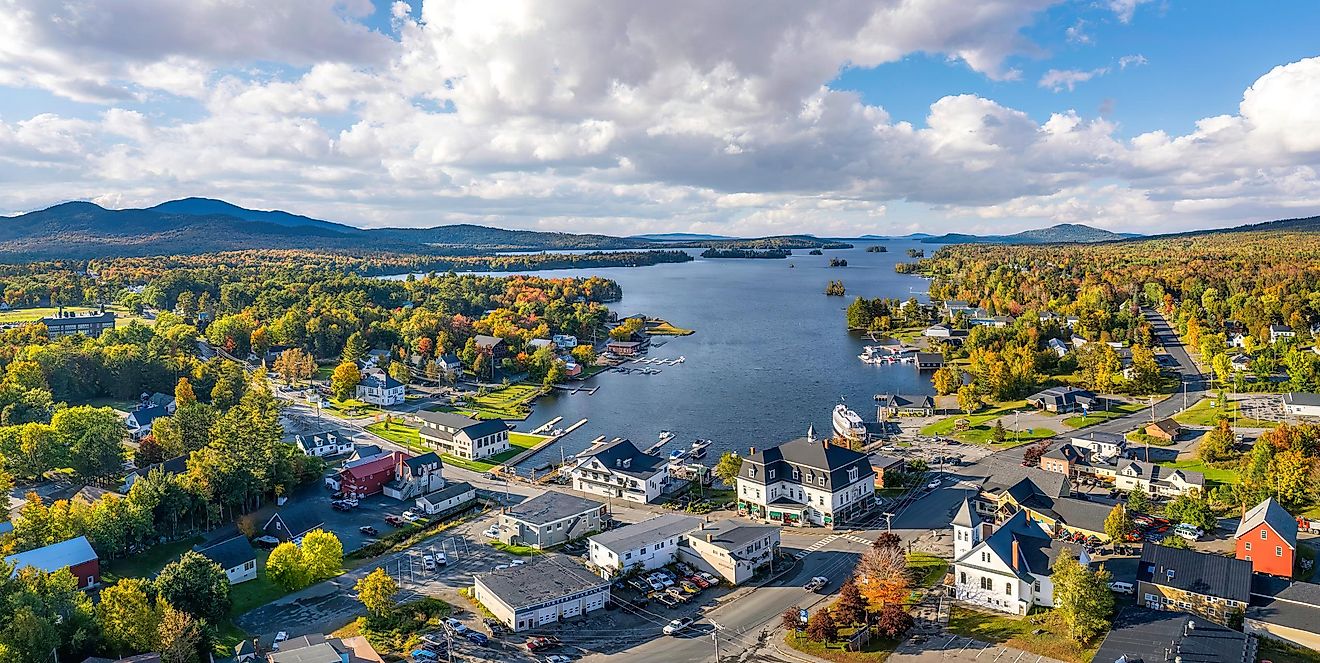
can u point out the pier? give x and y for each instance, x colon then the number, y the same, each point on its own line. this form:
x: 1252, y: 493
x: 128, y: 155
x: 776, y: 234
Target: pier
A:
x: 510, y: 465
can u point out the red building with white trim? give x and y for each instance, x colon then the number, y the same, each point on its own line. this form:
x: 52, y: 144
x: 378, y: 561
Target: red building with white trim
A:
x: 1267, y: 537
x: 76, y: 555
x: 370, y: 476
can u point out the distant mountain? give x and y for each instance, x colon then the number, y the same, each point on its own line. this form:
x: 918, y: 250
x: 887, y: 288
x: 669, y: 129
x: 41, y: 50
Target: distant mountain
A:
x: 201, y: 225
x: 1303, y: 224
x: 212, y: 207
x: 1056, y: 234
x: 679, y: 237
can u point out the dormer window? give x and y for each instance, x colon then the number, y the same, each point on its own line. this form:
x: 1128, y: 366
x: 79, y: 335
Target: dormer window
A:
x: 852, y: 475
x: 796, y: 474
x: 751, y: 473
x: 770, y: 474
x: 821, y: 480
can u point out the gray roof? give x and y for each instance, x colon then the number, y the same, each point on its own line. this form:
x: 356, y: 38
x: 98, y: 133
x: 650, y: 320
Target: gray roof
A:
x: 1071, y: 511
x: 380, y: 379
x: 1292, y: 398
x: 1008, y: 476
x: 423, y: 460
x: 1296, y: 606
x: 447, y: 492
x: 317, y: 653
x: 473, y: 427
x: 1273, y: 514
x: 544, y: 578
x: 647, y: 532
x: 308, y: 441
x: 484, y: 341
x: 1197, y: 572
x: 905, y: 400
x: 56, y: 556
x: 1161, y: 474
x: 1155, y: 636
x: 966, y: 516
x: 551, y: 506
x: 297, y: 521
x: 730, y: 534
x: 819, y: 455
x: 641, y: 465
x: 1036, y: 550
x: 60, y: 320
x: 885, y: 462
x: 144, y: 416
x: 230, y: 553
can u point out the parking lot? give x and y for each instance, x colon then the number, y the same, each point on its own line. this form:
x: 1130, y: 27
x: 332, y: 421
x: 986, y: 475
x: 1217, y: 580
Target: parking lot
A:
x: 1266, y: 407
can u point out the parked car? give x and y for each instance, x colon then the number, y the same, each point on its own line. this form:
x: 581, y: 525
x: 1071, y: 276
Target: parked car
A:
x: 410, y: 516
x: 428, y: 562
x: 394, y: 520
x: 557, y: 658
x: 340, y: 506
x: 440, y: 559
x: 689, y: 586
x: 476, y: 637
x: 492, y: 532
x: 698, y: 581
x: 709, y: 578
x: 1122, y: 587
x: 677, y: 625
x: 456, y: 626
x: 517, y: 562
x: 279, y: 637
x: 266, y: 542
x: 369, y: 530
x: 1188, y: 531
x: 816, y: 584
x: 435, y: 642
x: 666, y: 600
x: 424, y: 655
x: 538, y: 643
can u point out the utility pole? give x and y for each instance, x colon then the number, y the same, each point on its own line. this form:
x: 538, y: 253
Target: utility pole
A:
x: 889, y: 520
x: 715, y: 638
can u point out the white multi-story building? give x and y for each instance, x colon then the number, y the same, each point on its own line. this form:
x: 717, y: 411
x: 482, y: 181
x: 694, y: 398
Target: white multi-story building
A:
x: 620, y: 470
x: 806, y: 482
x: 650, y: 544
x: 1157, y: 480
x: 378, y: 388
x: 1007, y: 569
x: 731, y: 549
x: 462, y: 437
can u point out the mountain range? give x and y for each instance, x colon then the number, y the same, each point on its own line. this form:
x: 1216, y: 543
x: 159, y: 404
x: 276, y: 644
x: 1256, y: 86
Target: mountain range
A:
x: 203, y: 225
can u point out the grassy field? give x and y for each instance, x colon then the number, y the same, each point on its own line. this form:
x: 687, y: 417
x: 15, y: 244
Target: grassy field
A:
x: 1281, y: 652
x: 1212, y: 474
x: 408, y: 437
x: 30, y: 314
x: 521, y: 551
x: 150, y: 562
x: 1020, y: 633
x: 929, y: 568
x: 1115, y: 411
x: 1205, y: 413
x: 1141, y: 439
x: 657, y: 327
x: 352, y: 407
x: 982, y: 426
x: 875, y: 651
x: 511, y: 402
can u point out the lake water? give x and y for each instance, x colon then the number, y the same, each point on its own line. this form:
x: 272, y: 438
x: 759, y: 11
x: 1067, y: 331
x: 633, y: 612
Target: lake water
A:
x: 771, y: 355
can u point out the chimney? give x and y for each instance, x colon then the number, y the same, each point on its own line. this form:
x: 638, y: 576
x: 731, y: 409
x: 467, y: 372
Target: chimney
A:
x: 710, y: 538
x: 751, y: 451
x: 1015, y: 554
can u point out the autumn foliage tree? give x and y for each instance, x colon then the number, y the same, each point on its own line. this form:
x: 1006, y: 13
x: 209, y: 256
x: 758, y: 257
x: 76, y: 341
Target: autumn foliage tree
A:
x: 791, y: 619
x: 343, y: 382
x: 882, y: 576
x: 893, y: 621
x: 850, y: 608
x: 822, y: 627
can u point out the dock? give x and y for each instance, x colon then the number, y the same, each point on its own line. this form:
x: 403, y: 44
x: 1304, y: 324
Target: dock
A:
x: 665, y: 438
x: 547, y: 426
x: 509, y: 465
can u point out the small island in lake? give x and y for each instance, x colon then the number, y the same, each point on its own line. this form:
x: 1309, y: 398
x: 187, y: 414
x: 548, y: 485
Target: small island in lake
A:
x: 916, y: 253
x: 746, y: 253
x: 835, y: 289
x: 838, y: 262
x: 876, y: 248
x: 814, y: 252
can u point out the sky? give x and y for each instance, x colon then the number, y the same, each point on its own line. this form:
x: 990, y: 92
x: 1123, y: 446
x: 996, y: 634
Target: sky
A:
x: 739, y: 117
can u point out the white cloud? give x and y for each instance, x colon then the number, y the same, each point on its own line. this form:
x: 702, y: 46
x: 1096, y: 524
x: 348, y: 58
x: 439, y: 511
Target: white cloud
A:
x: 1125, y: 9
x: 1076, y: 34
x: 1059, y: 79
x: 1134, y: 60
x: 627, y: 117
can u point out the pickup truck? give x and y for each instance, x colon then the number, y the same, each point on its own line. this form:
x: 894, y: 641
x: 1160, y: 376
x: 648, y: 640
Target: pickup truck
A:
x: 816, y: 584
x: 394, y: 520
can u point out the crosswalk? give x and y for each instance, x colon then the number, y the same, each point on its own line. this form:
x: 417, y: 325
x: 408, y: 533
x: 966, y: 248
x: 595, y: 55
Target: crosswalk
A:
x: 828, y: 540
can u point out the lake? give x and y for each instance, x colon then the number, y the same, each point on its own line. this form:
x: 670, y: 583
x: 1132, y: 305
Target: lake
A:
x: 771, y: 355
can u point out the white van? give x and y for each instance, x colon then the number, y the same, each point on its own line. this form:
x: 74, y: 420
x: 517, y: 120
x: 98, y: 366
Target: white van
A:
x: 1122, y: 587
x: 1188, y: 531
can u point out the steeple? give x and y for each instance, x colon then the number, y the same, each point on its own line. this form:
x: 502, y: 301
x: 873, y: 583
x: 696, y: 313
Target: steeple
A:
x: 966, y: 516
x: 967, y: 530
x: 811, y: 433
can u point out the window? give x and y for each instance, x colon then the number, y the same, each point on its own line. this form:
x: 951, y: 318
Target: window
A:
x: 1035, y: 586
x: 962, y: 577
x: 796, y: 474
x: 751, y: 473
x: 1278, y: 551
x: 852, y: 475
x: 1008, y: 588
x: 1248, y: 558
x: 770, y: 474
x: 1248, y: 546
x: 1264, y: 534
x: 821, y: 480
x: 985, y: 556
x: 987, y: 584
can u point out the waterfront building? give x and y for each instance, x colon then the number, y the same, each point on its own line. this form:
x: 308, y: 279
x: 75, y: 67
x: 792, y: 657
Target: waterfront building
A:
x: 620, y: 470
x: 806, y: 482
x: 462, y: 437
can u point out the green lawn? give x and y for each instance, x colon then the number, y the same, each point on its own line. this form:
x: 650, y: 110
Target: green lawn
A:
x: 1281, y: 652
x: 1020, y: 633
x: 929, y: 568
x: 256, y: 592
x: 408, y: 437
x: 122, y: 404
x: 1115, y: 411
x: 875, y: 651
x: 150, y: 562
x: 1205, y: 413
x: 352, y: 407
x: 983, y: 423
x: 123, y: 316
x: 657, y: 327
x: 521, y: 551
x: 1141, y: 439
x: 1212, y: 474
x: 511, y: 402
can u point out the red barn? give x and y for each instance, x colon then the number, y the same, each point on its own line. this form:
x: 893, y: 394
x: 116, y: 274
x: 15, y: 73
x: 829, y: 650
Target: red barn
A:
x: 369, y: 477
x: 76, y: 555
x: 1267, y: 537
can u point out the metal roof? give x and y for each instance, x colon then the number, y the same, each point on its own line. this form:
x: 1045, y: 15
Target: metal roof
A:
x: 1196, y: 572
x: 1273, y: 514
x: 648, y: 531
x: 551, y: 506
x: 545, y: 578
x: 55, y: 556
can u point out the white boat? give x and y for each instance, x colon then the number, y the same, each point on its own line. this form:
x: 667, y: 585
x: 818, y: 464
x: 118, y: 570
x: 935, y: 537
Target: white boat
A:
x: 677, y: 455
x: 847, y: 423
x: 699, y: 448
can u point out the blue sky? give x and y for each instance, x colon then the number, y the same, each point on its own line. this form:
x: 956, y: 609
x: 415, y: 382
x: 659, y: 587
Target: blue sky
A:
x: 737, y: 118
